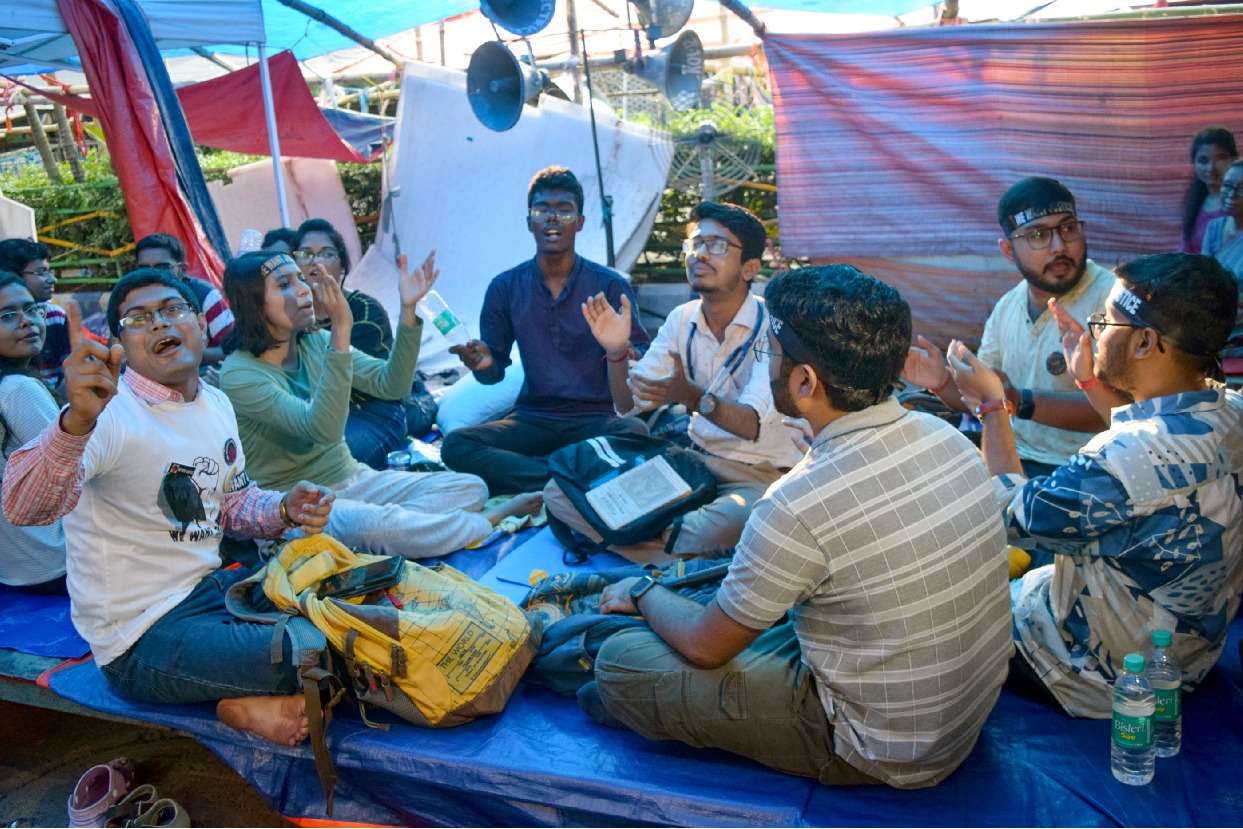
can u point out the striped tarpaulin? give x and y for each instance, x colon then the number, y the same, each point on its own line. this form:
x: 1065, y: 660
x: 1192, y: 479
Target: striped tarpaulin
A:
x: 899, y: 143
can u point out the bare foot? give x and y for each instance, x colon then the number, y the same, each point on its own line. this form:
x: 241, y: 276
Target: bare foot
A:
x: 281, y: 720
x: 528, y: 503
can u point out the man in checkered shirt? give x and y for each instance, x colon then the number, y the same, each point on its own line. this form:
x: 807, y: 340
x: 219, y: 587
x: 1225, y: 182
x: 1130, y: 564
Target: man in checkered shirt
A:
x: 862, y: 633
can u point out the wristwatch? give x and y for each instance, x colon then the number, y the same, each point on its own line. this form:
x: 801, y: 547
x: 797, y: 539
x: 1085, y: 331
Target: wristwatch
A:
x: 1027, y: 406
x: 993, y: 406
x: 707, y: 403
x: 639, y: 588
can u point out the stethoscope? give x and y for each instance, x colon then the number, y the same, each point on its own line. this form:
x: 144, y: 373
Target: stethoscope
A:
x: 736, y: 357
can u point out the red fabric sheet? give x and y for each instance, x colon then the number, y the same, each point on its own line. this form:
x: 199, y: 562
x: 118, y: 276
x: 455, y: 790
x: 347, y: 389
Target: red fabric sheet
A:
x: 900, y: 143
x: 137, y: 143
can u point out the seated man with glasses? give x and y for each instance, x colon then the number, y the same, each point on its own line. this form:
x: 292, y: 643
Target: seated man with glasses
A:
x: 29, y: 260
x: 705, y: 358
x: 1144, y: 521
x: 565, y: 397
x: 167, y: 253
x: 1045, y: 241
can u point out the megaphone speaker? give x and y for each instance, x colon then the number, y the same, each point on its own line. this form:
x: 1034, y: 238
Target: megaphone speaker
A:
x: 677, y: 70
x: 498, y: 84
x: 663, y: 18
x: 522, y: 17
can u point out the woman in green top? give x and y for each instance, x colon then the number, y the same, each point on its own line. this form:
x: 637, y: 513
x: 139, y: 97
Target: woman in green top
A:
x: 290, y: 387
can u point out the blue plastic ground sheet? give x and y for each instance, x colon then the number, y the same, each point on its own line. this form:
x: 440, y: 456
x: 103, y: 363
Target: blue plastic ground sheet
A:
x: 38, y: 624
x: 543, y: 762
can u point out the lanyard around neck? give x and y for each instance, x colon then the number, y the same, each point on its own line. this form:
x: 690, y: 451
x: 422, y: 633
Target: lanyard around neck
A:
x: 736, y: 357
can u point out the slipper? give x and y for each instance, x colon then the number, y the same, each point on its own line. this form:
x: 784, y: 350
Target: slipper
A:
x: 98, y: 789
x: 164, y: 812
x: 129, y: 808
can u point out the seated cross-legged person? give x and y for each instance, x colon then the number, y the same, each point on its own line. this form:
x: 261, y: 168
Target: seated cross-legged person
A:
x: 146, y: 470
x: 702, y: 358
x: 1144, y: 522
x: 883, y: 545
x: 375, y: 426
x: 290, y: 385
x: 32, y: 558
x: 565, y: 394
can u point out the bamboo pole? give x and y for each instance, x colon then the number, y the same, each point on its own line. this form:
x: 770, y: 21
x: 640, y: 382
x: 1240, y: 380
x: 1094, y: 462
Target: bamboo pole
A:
x: 69, y: 149
x: 331, y: 22
x: 41, y: 142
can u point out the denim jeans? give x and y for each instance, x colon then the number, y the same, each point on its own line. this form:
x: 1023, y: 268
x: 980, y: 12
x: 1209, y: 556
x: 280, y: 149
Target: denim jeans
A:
x: 374, y: 429
x: 199, y: 652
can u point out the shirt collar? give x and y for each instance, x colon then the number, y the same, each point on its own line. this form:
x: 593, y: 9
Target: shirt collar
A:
x: 746, y: 316
x: 882, y: 414
x: 150, y: 391
x: 1183, y: 403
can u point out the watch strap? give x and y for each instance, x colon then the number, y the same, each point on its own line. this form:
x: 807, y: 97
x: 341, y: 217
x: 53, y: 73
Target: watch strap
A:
x: 639, y: 588
x: 1027, y: 405
x: 992, y: 406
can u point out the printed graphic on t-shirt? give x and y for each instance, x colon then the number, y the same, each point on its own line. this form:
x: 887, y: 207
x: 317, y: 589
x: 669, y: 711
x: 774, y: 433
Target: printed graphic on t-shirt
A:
x: 182, y: 499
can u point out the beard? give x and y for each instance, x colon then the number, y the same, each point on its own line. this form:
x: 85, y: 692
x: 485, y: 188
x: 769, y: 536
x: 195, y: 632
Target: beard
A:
x: 1112, y: 366
x: 1049, y: 284
x: 782, y: 399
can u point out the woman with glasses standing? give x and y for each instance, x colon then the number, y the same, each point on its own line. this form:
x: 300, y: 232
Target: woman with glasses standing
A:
x: 32, y: 558
x: 1223, y: 242
x: 1212, y: 151
x: 375, y: 427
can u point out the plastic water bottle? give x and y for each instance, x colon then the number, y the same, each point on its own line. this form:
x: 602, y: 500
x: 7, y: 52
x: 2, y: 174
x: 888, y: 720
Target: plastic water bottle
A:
x: 251, y: 240
x: 1165, y: 675
x: 434, y: 309
x: 1133, y: 751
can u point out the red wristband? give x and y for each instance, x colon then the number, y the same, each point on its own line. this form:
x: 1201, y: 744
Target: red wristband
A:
x: 629, y: 355
x: 992, y: 406
x: 1088, y: 386
x: 944, y: 383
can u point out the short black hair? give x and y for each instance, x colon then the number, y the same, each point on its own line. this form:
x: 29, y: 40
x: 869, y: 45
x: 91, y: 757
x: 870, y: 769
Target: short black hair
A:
x: 325, y: 227
x: 141, y: 278
x: 245, y: 289
x: 1195, y: 296
x: 739, y: 221
x: 280, y: 235
x: 556, y: 178
x: 16, y: 254
x: 856, y: 328
x: 162, y: 241
x: 1033, y: 193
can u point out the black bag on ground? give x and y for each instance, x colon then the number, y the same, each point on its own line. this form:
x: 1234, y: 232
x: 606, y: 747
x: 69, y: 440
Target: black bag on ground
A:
x: 582, y: 466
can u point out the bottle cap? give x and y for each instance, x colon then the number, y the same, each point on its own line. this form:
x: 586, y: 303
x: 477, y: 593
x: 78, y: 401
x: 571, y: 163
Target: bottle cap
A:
x: 1161, y: 638
x: 1134, y: 663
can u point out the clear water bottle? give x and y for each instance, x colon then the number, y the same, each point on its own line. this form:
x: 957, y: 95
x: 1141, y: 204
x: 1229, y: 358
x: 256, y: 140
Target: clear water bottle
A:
x: 1165, y: 675
x: 1132, y: 750
x: 251, y: 240
x: 435, y: 310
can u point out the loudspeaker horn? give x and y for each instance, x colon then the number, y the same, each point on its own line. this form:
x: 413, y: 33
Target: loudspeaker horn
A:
x: 522, y: 17
x: 662, y: 18
x: 677, y: 70
x: 498, y: 84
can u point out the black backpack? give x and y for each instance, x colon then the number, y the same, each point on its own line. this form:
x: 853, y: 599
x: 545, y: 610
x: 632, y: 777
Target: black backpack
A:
x: 579, y: 467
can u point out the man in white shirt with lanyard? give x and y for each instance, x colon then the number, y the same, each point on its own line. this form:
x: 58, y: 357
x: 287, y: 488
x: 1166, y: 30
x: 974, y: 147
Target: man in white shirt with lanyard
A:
x: 702, y: 358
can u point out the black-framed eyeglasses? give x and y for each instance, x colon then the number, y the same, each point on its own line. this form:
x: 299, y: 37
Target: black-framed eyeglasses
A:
x: 564, y: 215
x: 177, y: 268
x: 170, y: 314
x: 1097, y: 324
x: 715, y: 245
x: 1040, y: 238
x: 39, y: 272
x: 12, y: 318
x: 327, y: 255
x: 761, y: 350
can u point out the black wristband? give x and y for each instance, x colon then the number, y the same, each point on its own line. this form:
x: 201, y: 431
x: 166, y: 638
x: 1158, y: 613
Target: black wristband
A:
x: 1027, y: 406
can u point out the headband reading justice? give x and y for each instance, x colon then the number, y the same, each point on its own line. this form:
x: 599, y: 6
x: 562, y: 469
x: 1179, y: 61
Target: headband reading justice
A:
x: 1030, y: 214
x: 1134, y: 308
x: 793, y: 347
x: 273, y: 263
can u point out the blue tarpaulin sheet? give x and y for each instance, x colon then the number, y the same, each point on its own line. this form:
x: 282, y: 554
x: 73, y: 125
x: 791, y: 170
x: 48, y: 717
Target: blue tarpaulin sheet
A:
x: 543, y: 762
x: 38, y: 624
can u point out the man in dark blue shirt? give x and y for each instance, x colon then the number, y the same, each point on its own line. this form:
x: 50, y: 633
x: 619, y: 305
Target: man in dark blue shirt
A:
x: 565, y: 397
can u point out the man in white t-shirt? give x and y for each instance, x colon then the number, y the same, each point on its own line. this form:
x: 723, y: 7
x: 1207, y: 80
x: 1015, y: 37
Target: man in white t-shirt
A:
x: 702, y: 358
x: 1046, y: 241
x: 147, y: 469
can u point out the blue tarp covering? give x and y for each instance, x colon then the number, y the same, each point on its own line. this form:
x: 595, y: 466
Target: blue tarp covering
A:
x: 543, y: 762
x: 38, y: 624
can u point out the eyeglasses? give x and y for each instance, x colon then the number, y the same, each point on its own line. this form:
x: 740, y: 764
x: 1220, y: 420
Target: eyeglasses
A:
x: 762, y: 351
x: 564, y: 215
x: 170, y: 314
x: 12, y: 318
x: 715, y: 245
x: 303, y: 256
x: 40, y: 272
x: 1097, y: 325
x: 1229, y: 188
x: 172, y: 267
x: 1039, y: 238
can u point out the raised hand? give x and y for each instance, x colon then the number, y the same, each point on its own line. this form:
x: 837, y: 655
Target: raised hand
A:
x: 331, y: 304
x: 977, y: 383
x: 475, y: 355
x: 309, y: 505
x: 413, y: 286
x: 73, y: 312
x: 92, y: 372
x: 924, y: 366
x: 610, y: 328
x: 1076, y: 343
x: 675, y: 388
